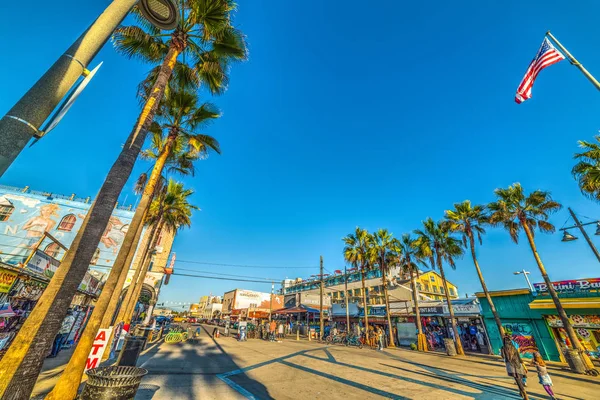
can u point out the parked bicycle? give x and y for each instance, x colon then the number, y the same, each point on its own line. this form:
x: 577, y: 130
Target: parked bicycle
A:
x: 354, y: 341
x: 336, y: 339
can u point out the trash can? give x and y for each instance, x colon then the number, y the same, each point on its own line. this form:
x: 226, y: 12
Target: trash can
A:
x: 112, y: 383
x: 131, y: 350
x: 575, y: 361
x: 450, y: 347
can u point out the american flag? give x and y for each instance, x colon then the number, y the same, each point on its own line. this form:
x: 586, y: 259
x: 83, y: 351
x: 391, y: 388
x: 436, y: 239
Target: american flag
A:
x: 546, y: 56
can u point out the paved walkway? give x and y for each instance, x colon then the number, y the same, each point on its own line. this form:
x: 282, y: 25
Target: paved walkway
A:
x: 227, y: 369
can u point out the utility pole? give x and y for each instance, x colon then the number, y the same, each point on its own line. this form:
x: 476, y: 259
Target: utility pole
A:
x: 584, y: 233
x: 271, y: 305
x: 321, y: 325
x: 346, y: 298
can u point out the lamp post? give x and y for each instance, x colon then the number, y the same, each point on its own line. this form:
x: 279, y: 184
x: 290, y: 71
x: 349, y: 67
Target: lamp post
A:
x: 525, y: 273
x: 24, y: 120
x: 567, y: 237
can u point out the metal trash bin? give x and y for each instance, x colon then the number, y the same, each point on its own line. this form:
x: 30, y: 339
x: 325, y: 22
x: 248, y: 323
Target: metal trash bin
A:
x: 112, y: 383
x: 131, y: 350
x: 450, y: 347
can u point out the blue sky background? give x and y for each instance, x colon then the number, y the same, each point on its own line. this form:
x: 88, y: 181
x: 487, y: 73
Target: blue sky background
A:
x: 345, y: 115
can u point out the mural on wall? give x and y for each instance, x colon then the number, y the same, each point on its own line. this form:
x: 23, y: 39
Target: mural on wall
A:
x: 522, y: 335
x: 25, y: 217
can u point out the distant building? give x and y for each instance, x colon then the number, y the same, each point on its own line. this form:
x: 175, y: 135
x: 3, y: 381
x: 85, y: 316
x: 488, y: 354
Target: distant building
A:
x: 430, y: 285
x: 250, y: 304
x: 194, y: 310
x: 212, y: 311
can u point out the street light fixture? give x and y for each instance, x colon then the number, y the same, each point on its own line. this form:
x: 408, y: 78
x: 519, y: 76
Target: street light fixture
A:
x: 567, y: 237
x: 525, y: 273
x: 163, y: 14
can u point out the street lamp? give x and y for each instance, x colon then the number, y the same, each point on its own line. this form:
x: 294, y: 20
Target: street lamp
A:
x: 525, y: 273
x: 567, y: 237
x: 24, y: 120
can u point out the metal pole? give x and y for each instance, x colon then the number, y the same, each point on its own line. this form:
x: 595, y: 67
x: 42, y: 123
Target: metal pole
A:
x: 346, y: 298
x: 321, y: 325
x: 573, y: 61
x: 271, y: 305
x: 528, y: 281
x: 585, y: 235
x: 24, y: 119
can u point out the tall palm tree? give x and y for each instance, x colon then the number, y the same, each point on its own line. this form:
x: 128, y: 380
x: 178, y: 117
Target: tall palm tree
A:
x: 516, y: 211
x: 469, y: 221
x: 356, y: 254
x: 206, y: 34
x: 408, y: 259
x: 384, y: 251
x: 435, y: 242
x: 172, y: 213
x: 587, y: 169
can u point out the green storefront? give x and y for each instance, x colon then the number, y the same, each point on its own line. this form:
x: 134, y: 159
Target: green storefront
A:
x: 534, y: 324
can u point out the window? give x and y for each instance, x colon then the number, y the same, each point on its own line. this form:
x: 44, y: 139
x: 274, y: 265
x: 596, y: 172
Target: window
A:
x: 432, y: 278
x: 67, y: 223
x: 6, y: 211
x: 442, y: 291
x: 452, y: 293
x: 96, y: 257
x: 435, y: 289
x: 419, y: 286
x: 52, y: 250
x: 427, y: 287
x: 357, y: 292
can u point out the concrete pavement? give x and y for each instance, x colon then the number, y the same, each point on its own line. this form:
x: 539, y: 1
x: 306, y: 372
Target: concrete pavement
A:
x: 227, y: 369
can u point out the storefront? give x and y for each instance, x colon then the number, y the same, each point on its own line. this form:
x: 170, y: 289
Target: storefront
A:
x: 435, y: 320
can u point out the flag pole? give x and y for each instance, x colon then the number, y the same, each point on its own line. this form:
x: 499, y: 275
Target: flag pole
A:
x: 574, y: 61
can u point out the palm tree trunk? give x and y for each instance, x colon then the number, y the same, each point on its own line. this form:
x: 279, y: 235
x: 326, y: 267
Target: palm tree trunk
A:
x: 415, y: 289
x: 559, y: 308
x: 485, y: 290
x: 138, y: 281
x: 68, y: 383
x: 387, y: 307
x: 459, y: 349
x: 366, y: 308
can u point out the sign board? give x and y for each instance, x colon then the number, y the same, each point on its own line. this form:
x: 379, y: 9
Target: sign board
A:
x: 577, y: 285
x: 578, y: 321
x: 374, y: 311
x: 7, y: 278
x: 41, y: 263
x: 98, y: 348
x: 459, y: 309
x: 151, y: 279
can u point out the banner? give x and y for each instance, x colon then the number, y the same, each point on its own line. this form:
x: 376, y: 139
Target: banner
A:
x: 576, y: 285
x: 98, y: 348
x: 7, y: 278
x: 43, y: 264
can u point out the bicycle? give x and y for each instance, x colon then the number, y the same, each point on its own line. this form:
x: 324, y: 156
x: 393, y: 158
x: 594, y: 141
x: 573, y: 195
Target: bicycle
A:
x: 354, y: 341
x: 336, y: 339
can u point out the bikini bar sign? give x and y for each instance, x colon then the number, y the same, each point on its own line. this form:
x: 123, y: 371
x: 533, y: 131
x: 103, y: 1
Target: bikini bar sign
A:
x: 577, y: 285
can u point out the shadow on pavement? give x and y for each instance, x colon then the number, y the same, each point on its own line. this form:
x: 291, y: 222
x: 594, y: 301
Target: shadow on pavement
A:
x: 183, y: 370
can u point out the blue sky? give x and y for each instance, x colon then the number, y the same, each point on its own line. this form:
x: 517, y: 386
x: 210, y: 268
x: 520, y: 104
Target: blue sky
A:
x: 344, y: 115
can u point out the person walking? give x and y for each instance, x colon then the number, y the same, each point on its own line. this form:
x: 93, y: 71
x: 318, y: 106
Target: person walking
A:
x: 544, y: 377
x: 380, y: 338
x: 63, y: 334
x: 272, y: 328
x: 514, y: 364
x: 280, y: 331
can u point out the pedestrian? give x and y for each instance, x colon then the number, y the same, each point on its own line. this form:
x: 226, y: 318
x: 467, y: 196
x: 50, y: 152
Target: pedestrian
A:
x: 215, y: 331
x: 516, y: 344
x: 380, y: 339
x: 63, y: 334
x: 514, y: 364
x: 543, y: 375
x: 272, y: 327
x: 280, y: 331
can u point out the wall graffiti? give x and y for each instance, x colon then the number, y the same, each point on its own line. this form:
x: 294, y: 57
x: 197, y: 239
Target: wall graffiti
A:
x: 522, y: 335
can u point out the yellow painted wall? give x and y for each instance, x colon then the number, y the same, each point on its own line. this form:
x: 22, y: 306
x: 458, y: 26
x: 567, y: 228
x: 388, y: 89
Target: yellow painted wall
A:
x: 432, y: 286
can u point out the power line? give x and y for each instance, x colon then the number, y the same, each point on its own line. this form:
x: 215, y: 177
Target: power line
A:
x: 222, y: 279
x: 240, y: 276
x: 240, y: 266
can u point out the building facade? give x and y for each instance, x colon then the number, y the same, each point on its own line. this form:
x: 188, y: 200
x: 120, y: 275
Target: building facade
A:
x: 249, y: 304
x: 430, y: 285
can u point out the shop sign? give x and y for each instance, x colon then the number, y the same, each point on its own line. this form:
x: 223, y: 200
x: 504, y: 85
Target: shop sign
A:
x: 41, y: 263
x: 578, y: 321
x: 7, y: 278
x: 522, y: 334
x: 374, y: 311
x: 577, y: 285
x: 436, y: 310
x: 98, y: 348
x: 463, y: 309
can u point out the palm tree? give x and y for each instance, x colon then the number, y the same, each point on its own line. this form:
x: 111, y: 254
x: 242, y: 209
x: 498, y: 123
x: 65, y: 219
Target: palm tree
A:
x: 356, y: 254
x: 587, y: 169
x: 516, y: 211
x: 172, y: 212
x: 436, y: 244
x: 205, y: 33
x: 383, y: 251
x: 469, y: 221
x: 408, y: 260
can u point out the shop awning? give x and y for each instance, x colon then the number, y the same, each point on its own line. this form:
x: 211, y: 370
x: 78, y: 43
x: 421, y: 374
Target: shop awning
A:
x: 299, y: 310
x: 577, y: 302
